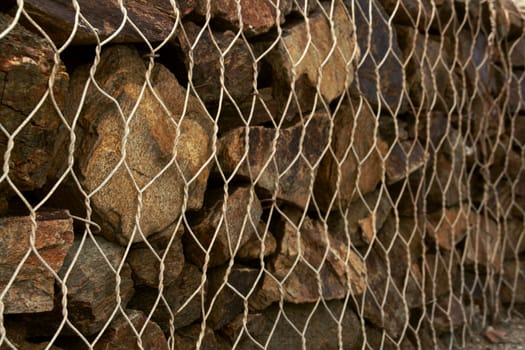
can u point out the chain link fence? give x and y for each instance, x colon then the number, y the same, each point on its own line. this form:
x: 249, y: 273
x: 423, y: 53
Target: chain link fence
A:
x: 344, y: 174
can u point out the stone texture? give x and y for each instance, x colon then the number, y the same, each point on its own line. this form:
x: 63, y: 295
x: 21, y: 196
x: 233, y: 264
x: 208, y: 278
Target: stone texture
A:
x: 296, y: 61
x: 145, y: 261
x: 439, y: 269
x: 392, y: 282
x: 257, y: 16
x: 252, y: 249
x: 513, y: 282
x: 287, y: 172
x: 449, y: 226
x: 155, y: 19
x: 513, y: 238
x: 428, y: 64
x: 354, y: 164
x: 187, y: 338
x: 223, y: 226
x: 206, y: 49
x: 404, y: 158
x: 18, y: 337
x: 92, y: 281
x: 380, y: 71
x: 421, y: 14
x: 354, y: 226
x: 154, y: 137
x: 300, y: 253
x: 26, y: 67
x: 33, y: 289
x: 184, y: 305
x: 483, y: 246
x: 224, y: 301
x: 120, y: 335
x: 448, y: 314
x: 319, y: 325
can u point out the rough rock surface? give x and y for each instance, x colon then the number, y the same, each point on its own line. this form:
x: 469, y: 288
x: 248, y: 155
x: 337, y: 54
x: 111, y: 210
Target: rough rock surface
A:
x: 33, y: 289
x: 26, y: 66
x: 92, y: 282
x: 168, y: 145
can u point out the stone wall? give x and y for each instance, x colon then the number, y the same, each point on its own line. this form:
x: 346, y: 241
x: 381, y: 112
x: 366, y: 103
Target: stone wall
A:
x: 320, y: 175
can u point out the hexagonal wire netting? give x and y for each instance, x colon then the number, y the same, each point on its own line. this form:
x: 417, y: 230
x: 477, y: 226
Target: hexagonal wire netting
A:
x: 260, y: 175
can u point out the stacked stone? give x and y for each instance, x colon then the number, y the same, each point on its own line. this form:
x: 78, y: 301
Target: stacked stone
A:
x: 320, y: 174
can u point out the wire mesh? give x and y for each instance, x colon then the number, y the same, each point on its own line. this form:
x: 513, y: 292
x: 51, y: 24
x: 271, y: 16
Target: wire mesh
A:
x: 343, y: 174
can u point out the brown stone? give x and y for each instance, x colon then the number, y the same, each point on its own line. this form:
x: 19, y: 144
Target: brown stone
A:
x: 392, y: 283
x: 320, y: 326
x: 187, y: 338
x: 26, y: 67
x: 449, y: 226
x: 428, y: 69
x: 519, y: 131
x: 17, y: 338
x: 513, y: 90
x: 447, y: 185
x: 206, y: 49
x: 155, y: 19
x: 300, y: 254
x: 223, y: 226
x: 225, y: 287
x: 421, y: 14
x: 258, y: 16
x: 256, y: 109
x: 404, y: 158
x: 146, y: 260
x: 483, y: 246
x: 304, y: 69
x: 33, y: 289
x: 252, y: 249
x: 380, y: 71
x: 154, y: 137
x: 513, y: 238
x: 513, y: 282
x: 180, y: 303
x: 121, y: 334
x: 355, y: 226
x: 448, y: 314
x: 354, y: 163
x: 289, y: 171
x: 92, y: 283
x: 438, y: 270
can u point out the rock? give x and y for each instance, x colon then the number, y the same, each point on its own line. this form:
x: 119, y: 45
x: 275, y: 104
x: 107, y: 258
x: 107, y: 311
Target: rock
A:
x: 323, y: 324
x: 429, y: 63
x: 154, y: 137
x: 304, y: 70
x: 448, y: 314
x: 404, y: 158
x: 225, y: 288
x: 449, y: 226
x: 183, y: 298
x: 18, y: 337
x: 513, y: 238
x: 519, y: 131
x: 438, y: 269
x: 145, y: 261
x: 33, y: 288
x: 289, y: 170
x: 483, y: 245
x: 380, y: 70
x: 121, y: 334
x: 155, y: 19
x: 252, y: 249
x: 203, y: 52
x: 392, y: 284
x: 26, y: 66
x: 513, y: 282
x: 355, y: 226
x: 257, y: 16
x: 513, y: 54
x: 354, y: 163
x: 256, y: 109
x: 223, y: 226
x: 92, y: 283
x: 188, y: 337
x: 446, y: 181
x: 420, y: 14
x: 300, y: 254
